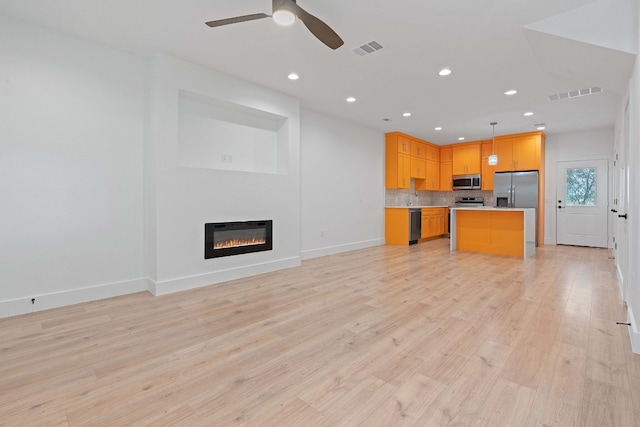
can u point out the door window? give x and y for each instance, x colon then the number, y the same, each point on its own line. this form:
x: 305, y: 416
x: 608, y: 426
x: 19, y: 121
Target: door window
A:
x: 581, y: 187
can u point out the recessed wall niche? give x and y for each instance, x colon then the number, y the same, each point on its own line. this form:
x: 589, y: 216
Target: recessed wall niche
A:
x: 216, y: 134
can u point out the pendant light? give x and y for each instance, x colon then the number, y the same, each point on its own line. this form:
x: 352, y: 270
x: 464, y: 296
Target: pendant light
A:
x: 493, y: 158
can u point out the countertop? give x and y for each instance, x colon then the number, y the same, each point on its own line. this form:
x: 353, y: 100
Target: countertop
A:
x: 484, y: 208
x: 415, y: 207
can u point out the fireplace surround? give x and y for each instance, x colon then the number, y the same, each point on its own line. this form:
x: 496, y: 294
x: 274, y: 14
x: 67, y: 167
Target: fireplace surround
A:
x: 235, y: 238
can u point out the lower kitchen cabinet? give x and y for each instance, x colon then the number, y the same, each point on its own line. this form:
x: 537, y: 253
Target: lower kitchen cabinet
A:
x: 433, y: 222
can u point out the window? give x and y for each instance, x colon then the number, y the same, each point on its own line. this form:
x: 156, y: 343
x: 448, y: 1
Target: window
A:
x: 581, y: 187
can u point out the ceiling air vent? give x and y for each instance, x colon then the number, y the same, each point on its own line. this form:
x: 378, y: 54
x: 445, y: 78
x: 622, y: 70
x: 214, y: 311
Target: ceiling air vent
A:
x: 575, y: 93
x: 367, y: 48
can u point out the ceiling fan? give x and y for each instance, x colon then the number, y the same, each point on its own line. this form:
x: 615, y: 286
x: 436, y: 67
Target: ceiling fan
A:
x: 285, y: 13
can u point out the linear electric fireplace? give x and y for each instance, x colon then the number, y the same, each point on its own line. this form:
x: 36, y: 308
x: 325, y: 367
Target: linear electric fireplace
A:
x: 234, y: 238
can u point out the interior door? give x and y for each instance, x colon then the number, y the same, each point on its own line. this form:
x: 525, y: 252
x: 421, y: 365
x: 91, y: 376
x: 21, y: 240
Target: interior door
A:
x: 582, y: 203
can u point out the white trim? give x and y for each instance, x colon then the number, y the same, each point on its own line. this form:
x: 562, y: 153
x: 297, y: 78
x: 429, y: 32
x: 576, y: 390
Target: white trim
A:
x: 200, y: 280
x: 620, y: 278
x: 331, y: 250
x: 634, y: 334
x: 19, y: 306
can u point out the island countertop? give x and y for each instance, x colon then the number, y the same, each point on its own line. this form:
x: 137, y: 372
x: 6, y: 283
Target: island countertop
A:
x: 493, y: 208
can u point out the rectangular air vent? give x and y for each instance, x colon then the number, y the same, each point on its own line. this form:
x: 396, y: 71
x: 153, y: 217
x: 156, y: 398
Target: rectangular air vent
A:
x: 575, y: 93
x: 367, y: 48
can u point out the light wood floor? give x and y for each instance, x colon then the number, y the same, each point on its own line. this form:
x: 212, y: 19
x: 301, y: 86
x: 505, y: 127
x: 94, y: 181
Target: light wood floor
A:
x: 386, y: 336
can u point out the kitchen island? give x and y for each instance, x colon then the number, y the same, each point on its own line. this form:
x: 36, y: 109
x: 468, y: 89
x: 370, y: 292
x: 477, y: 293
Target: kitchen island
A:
x: 501, y: 231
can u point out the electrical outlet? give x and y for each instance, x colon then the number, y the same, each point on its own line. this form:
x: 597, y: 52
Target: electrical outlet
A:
x: 321, y: 233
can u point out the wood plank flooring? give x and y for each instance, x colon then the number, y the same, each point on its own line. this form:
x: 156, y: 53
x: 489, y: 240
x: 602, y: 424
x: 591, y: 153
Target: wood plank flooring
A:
x: 385, y: 336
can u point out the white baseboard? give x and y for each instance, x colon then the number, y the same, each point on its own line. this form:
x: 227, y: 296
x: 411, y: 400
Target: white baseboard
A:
x: 330, y: 250
x: 200, y: 280
x: 620, y: 282
x: 634, y: 333
x: 75, y: 296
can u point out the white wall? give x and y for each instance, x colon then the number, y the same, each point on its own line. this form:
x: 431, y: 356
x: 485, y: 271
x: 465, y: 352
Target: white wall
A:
x: 586, y: 145
x: 185, y: 198
x: 71, y: 144
x: 342, y: 185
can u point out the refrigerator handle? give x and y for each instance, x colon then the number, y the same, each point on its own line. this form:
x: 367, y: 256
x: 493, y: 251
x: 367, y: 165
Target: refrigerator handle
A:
x: 513, y: 196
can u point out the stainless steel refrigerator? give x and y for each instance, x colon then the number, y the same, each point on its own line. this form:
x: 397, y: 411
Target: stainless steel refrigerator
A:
x: 516, y: 190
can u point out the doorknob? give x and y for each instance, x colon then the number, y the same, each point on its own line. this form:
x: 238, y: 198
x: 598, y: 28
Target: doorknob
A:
x: 614, y: 211
x: 623, y: 216
x: 559, y: 207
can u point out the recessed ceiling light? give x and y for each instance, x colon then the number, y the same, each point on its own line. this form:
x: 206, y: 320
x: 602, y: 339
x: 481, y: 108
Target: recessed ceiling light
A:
x: 351, y: 99
x: 528, y: 113
x: 511, y: 92
x: 461, y: 138
x: 406, y: 114
x: 438, y: 128
x: 444, y: 72
x: 293, y: 76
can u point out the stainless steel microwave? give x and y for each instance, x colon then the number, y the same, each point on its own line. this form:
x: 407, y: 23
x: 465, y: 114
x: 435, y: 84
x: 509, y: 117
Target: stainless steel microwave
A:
x: 466, y: 182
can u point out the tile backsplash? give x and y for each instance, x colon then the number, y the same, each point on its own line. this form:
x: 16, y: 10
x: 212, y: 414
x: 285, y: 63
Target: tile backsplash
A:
x: 395, y: 197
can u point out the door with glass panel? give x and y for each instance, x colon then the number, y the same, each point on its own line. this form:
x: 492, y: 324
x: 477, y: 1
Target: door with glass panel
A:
x: 582, y: 203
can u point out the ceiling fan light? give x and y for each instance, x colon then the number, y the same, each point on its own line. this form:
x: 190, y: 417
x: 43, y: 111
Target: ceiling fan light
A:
x: 283, y: 16
x: 493, y: 160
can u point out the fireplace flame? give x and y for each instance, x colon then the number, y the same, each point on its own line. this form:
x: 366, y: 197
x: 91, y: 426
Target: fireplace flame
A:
x: 235, y: 243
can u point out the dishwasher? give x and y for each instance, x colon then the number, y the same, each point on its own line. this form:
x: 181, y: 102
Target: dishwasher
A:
x: 415, y: 225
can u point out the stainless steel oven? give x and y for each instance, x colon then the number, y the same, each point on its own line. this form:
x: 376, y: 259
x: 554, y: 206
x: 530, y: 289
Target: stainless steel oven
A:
x: 466, y: 182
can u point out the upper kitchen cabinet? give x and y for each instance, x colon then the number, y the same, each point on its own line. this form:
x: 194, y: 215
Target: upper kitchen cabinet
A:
x: 418, y: 149
x: 487, y: 170
x: 466, y: 158
x: 433, y: 153
x: 432, y: 179
x: 398, y: 161
x: 418, y: 168
x: 446, y: 165
x: 403, y: 143
x: 408, y: 158
x: 521, y: 152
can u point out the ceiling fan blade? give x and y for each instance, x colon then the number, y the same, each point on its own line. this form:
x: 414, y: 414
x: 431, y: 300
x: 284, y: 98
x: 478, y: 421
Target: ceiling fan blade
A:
x: 322, y: 31
x: 237, y: 19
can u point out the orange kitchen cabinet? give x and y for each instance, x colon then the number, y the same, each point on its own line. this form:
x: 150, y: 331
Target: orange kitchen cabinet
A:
x: 446, y: 154
x: 398, y: 161
x: 433, y: 153
x: 396, y: 226
x: 403, y: 143
x: 418, y: 168
x: 433, y: 222
x: 446, y: 168
x: 446, y: 176
x: 433, y: 175
x: 418, y: 149
x: 519, y: 152
x: 487, y: 170
x: 466, y: 158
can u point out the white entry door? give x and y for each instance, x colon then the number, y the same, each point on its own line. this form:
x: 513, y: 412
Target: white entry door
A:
x: 582, y: 203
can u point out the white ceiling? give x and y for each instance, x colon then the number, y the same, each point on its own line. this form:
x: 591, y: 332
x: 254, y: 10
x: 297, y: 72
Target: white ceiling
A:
x: 538, y: 47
